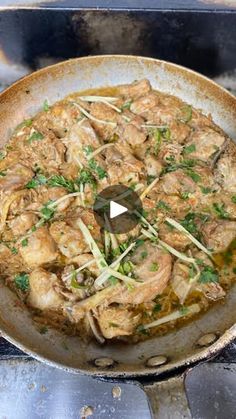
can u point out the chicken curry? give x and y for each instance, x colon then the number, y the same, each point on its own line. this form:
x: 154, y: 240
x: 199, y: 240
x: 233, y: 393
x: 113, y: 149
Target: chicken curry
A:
x: 177, y: 261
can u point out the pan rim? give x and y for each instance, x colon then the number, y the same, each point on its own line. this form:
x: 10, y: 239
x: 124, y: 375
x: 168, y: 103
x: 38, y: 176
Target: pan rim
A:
x: 227, y: 337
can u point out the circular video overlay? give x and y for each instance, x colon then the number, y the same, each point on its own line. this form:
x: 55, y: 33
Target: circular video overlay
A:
x: 117, y: 209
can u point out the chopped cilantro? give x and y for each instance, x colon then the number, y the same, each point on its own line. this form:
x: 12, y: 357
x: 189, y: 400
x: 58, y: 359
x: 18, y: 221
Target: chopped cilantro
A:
x: 2, y: 173
x: 208, y: 274
x: 46, y: 106
x: 194, y: 176
x: 36, y: 136
x: 144, y: 254
x: 233, y: 199
x: 2, y: 155
x: 189, y: 223
x: 184, y: 195
x: 183, y: 310
x: 141, y: 329
x: 154, y: 267
x: 156, y: 308
x: 24, y: 242
x: 185, y: 114
x: 205, y: 190
x: 220, y: 211
x: 59, y: 180
x: 14, y: 250
x: 126, y: 268
x: 46, y: 211
x: 234, y: 270
x: 113, y: 280
x: 139, y: 242
x: 150, y: 179
x: 88, y: 149
x: 126, y: 105
x: 94, y: 166
x: 38, y: 180
x: 25, y: 123
x: 22, y: 281
x: 86, y: 176
x: 189, y: 149
x: 33, y: 229
x: 162, y: 206
x: 111, y: 324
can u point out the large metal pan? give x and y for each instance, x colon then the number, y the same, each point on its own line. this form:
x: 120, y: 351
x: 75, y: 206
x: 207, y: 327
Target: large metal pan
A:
x: 25, y: 98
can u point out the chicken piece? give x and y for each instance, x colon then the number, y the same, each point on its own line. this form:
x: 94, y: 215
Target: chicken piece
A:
x: 15, y: 178
x: 213, y: 290
x: 113, y: 155
x: 42, y: 293
x: 153, y: 166
x: 173, y: 237
x: 104, y: 112
x: 127, y: 172
x: 132, y: 134
x: 46, y: 152
x: 116, y: 321
x: 179, y: 132
x: 205, y: 143
x: 144, y: 103
x: 80, y: 136
x: 177, y: 183
x: 70, y: 241
x: 41, y: 249
x: 218, y: 235
x: 59, y: 118
x: 152, y: 266
x: 226, y: 169
x: 134, y: 90
x: 87, y: 216
x: 20, y: 224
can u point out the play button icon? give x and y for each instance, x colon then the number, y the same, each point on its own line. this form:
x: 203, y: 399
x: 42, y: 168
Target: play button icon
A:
x: 116, y: 209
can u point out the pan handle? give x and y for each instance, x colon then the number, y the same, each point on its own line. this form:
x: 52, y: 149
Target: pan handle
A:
x: 167, y: 399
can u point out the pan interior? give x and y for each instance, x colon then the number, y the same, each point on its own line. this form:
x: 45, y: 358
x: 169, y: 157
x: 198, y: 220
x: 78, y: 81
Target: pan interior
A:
x: 23, y: 100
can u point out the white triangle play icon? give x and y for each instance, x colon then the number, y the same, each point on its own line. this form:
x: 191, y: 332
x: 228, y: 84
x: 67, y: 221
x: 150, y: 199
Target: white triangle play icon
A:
x: 116, y: 209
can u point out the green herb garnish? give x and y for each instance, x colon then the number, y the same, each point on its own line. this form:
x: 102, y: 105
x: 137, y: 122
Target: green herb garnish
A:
x: 233, y: 199
x: 24, y: 242
x: 144, y: 254
x: 141, y: 329
x: 38, y: 180
x: 2, y: 173
x: 22, y: 281
x: 46, y: 106
x: 205, y: 190
x: 43, y: 330
x: 154, y: 267
x: 46, y: 211
x: 94, y: 166
x: 162, y: 206
x: 25, y: 123
x: 189, y: 223
x: 36, y: 136
x: 186, y: 114
x: 156, y: 308
x: 189, y: 149
x: 183, y: 310
x: 88, y: 149
x: 220, y: 211
x: 208, y: 274
x: 59, y: 180
x: 126, y: 105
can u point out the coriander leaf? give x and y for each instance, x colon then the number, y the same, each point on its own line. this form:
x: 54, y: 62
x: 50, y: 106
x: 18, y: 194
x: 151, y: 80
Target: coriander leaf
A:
x: 38, y: 180
x: 205, y: 190
x: 189, y: 149
x: 233, y: 199
x: 162, y: 206
x: 43, y: 330
x: 220, y: 211
x: 25, y: 123
x: 22, y: 281
x: 156, y: 308
x: 47, y: 212
x: 185, y: 114
x: 2, y: 173
x: 144, y: 254
x: 59, y: 180
x: 194, y: 176
x: 2, y: 155
x: 113, y: 280
x: 46, y: 106
x: 88, y: 149
x: 189, y: 223
x: 150, y: 179
x: 126, y: 105
x: 94, y: 166
x: 208, y: 274
x: 184, y: 195
x: 154, y: 267
x: 14, y: 250
x: 141, y: 329
x: 183, y: 310
x: 36, y: 136
x: 24, y: 242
